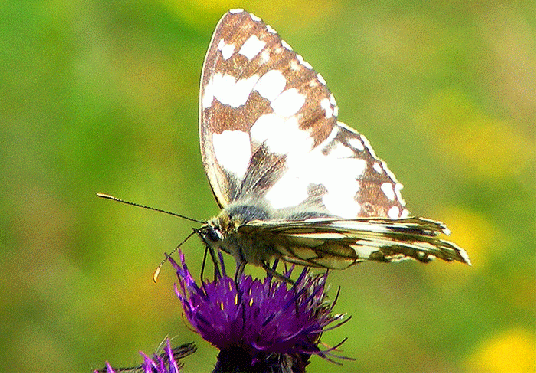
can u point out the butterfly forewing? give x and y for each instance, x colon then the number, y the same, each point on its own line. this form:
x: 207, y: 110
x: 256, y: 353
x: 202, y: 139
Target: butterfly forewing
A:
x: 252, y: 84
x: 277, y: 157
x: 268, y: 128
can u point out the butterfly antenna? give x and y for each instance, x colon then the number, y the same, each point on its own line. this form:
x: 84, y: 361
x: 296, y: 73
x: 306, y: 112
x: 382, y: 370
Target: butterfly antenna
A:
x: 107, y: 196
x: 157, y: 270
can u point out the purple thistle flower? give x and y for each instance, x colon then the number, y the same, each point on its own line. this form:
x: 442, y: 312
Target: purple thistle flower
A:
x: 261, y: 326
x: 164, y: 363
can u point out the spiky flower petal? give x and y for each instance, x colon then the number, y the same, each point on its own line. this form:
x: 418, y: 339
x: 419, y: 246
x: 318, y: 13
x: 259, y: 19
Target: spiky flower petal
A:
x: 167, y: 362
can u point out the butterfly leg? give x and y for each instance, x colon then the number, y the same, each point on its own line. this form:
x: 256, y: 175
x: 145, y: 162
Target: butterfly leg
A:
x: 208, y: 249
x: 240, y: 266
x: 217, y: 272
x: 204, y: 263
x: 272, y: 272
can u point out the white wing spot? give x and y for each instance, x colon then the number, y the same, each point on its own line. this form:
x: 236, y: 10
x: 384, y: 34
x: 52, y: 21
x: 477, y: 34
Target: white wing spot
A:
x: 325, y: 104
x: 464, y: 255
x: 341, y: 186
x: 281, y: 135
x: 385, y: 168
x: 285, y: 44
x: 233, y: 151
x: 394, y: 212
x: 336, y: 111
x: 387, y: 189
x: 208, y: 95
x: 255, y: 18
x: 291, y: 189
x: 227, y: 50
x: 236, y: 11
x: 334, y: 132
x: 369, y: 148
x: 398, y: 188
x: 405, y: 214
x: 356, y: 144
x: 321, y: 79
x: 320, y: 235
x: 265, y: 55
x: 362, y: 251
x: 377, y: 167
x: 270, y: 29
x: 231, y: 92
x: 303, y: 62
x: 288, y: 103
x: 341, y: 151
x: 285, y: 193
x: 332, y: 100
x: 339, y: 204
x: 294, y: 65
x: 308, y: 166
x: 271, y: 84
x: 252, y: 47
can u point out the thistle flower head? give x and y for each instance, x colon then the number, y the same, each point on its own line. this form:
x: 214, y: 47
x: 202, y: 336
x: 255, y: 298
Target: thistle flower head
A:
x: 255, y: 321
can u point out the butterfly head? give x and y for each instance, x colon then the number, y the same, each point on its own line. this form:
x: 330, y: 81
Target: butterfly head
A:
x: 222, y: 231
x: 218, y: 229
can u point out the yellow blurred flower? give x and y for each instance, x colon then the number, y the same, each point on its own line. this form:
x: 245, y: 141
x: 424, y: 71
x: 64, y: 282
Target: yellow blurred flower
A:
x: 512, y: 351
x: 474, y: 233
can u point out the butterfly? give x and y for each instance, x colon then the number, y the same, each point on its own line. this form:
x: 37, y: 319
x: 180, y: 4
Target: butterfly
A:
x: 292, y: 181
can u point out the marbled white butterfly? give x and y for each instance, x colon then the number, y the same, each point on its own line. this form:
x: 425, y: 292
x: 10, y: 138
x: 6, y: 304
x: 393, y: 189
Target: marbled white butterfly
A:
x: 293, y: 182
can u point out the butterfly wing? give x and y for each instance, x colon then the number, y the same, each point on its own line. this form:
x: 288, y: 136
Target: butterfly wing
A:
x: 241, y: 78
x: 313, y: 190
x: 335, y: 243
x: 269, y: 130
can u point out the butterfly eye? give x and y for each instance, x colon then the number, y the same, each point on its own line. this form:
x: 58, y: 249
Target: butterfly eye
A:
x: 213, y: 235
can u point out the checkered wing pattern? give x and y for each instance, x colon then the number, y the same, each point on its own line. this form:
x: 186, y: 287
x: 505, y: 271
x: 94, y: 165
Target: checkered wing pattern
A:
x: 307, y: 186
x: 338, y: 244
x: 269, y: 129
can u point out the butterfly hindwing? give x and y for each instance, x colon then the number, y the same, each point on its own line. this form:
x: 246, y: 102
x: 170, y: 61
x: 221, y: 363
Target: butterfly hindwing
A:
x: 335, y: 243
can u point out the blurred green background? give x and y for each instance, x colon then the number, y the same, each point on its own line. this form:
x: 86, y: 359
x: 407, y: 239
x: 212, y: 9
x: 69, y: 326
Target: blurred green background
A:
x: 102, y: 97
